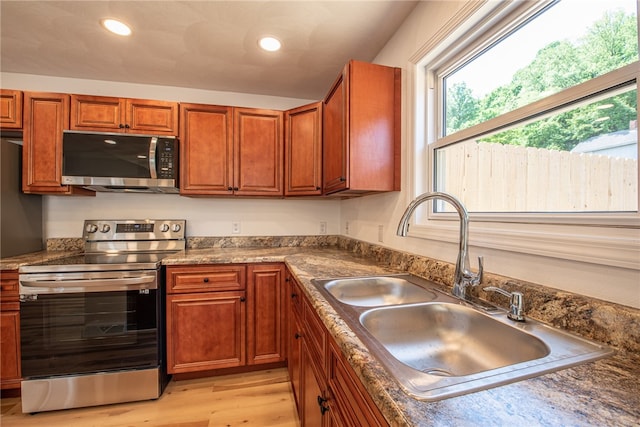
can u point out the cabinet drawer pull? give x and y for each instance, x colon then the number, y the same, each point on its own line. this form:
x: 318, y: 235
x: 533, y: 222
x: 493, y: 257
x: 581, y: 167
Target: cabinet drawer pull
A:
x: 321, y: 404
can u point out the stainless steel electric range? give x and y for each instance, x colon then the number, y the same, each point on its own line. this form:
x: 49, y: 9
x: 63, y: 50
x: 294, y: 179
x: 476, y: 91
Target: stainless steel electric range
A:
x: 92, y: 325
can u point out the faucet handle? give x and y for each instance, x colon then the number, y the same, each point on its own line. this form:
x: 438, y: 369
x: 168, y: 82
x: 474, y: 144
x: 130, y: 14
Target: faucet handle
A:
x: 477, y: 278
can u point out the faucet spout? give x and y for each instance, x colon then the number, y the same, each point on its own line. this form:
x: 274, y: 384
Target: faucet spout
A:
x: 463, y: 276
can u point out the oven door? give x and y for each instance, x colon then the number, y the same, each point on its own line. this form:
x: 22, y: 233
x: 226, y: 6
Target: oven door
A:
x: 67, y: 332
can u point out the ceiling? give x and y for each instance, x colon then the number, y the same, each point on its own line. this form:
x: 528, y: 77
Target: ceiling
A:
x: 209, y: 45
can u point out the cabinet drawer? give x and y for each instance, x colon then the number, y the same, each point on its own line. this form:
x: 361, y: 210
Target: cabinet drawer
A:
x: 205, y: 278
x: 9, y: 286
x: 315, y: 333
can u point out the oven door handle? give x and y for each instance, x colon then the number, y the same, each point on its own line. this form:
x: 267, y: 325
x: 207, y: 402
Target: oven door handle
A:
x: 88, y: 285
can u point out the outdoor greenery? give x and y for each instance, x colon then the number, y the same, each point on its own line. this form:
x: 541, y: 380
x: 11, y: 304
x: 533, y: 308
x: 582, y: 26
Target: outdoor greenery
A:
x: 610, y: 43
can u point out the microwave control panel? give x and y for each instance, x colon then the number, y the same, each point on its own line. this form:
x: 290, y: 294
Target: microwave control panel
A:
x: 167, y: 157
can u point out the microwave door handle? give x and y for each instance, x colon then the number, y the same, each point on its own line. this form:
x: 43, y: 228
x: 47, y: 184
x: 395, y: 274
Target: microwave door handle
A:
x: 152, y: 157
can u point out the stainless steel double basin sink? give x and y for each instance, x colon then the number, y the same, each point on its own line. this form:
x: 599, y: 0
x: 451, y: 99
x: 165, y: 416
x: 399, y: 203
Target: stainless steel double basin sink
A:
x: 438, y: 346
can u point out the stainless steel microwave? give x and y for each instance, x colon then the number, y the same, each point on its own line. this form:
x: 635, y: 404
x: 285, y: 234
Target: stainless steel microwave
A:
x: 116, y: 162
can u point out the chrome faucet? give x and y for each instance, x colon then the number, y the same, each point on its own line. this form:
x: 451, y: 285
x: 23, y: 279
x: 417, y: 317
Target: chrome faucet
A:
x: 463, y: 276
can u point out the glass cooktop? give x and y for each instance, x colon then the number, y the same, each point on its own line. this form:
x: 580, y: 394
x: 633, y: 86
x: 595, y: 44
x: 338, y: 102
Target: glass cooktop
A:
x: 100, y: 262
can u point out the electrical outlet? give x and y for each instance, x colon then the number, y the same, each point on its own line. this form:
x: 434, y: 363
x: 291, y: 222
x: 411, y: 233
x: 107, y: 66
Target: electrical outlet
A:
x: 346, y: 228
x: 323, y: 227
x: 235, y: 228
x: 380, y: 233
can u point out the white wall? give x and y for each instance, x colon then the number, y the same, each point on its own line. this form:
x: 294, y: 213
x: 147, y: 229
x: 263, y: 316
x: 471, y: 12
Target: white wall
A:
x: 362, y: 217
x: 63, y: 216
x: 205, y: 216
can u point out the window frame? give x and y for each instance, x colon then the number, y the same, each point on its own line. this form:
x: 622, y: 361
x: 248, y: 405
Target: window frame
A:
x: 602, y: 238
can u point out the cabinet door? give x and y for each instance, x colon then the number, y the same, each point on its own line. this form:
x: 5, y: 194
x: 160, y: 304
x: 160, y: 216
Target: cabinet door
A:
x: 97, y: 113
x: 258, y: 152
x: 151, y: 117
x: 206, y: 150
x: 266, y: 314
x: 46, y: 116
x: 313, y: 404
x: 205, y: 331
x: 10, y: 344
x: 303, y: 151
x: 10, y: 109
x: 335, y: 154
x: 110, y: 114
x: 373, y: 99
x: 361, y: 131
x: 293, y: 358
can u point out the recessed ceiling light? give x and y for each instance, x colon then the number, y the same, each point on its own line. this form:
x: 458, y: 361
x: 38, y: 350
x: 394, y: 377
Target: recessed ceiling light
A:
x: 270, y: 44
x: 116, y: 27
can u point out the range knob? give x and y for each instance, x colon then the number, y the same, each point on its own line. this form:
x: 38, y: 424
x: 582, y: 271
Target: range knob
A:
x: 91, y: 228
x: 164, y: 228
x: 175, y: 228
x: 105, y: 228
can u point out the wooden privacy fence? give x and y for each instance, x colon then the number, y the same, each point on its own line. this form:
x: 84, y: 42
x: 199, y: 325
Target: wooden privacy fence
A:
x: 508, y: 178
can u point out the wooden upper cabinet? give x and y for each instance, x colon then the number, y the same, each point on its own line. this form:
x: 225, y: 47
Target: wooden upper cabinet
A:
x: 206, y: 150
x: 110, y: 114
x: 258, y: 152
x: 303, y: 151
x: 46, y: 117
x: 10, y: 109
x: 361, y: 131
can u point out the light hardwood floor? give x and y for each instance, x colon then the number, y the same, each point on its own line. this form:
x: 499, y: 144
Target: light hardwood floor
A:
x: 262, y: 398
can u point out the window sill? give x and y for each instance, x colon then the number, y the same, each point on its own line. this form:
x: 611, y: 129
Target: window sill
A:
x: 614, y: 247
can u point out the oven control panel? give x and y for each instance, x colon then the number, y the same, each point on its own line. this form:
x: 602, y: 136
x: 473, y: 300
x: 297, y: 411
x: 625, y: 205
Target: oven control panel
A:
x: 144, y: 229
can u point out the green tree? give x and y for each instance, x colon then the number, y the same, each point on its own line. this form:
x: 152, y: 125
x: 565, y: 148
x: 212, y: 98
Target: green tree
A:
x: 610, y: 43
x: 461, y: 106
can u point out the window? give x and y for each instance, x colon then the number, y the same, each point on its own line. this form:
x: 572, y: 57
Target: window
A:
x: 527, y: 112
x: 538, y: 114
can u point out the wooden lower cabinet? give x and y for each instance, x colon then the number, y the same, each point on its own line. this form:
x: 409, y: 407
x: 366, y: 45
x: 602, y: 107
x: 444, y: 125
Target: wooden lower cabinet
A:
x: 206, y: 331
x: 10, y: 371
x: 266, y: 314
x: 327, y: 391
x: 314, y: 405
x: 349, y: 397
x: 224, y: 316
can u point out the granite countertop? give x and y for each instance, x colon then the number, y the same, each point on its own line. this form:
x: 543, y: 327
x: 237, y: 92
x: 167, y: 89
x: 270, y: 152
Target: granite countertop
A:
x: 604, y: 392
x: 15, y: 262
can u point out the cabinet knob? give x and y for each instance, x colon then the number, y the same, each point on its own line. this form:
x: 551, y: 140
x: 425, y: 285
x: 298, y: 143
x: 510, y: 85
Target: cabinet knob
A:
x: 242, y: 299
x: 297, y: 336
x: 121, y: 126
x: 206, y: 280
x: 229, y: 188
x: 294, y: 295
x: 343, y: 179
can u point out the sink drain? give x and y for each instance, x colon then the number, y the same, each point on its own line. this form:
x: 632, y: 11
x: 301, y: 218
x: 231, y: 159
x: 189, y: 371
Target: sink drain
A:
x: 439, y: 372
